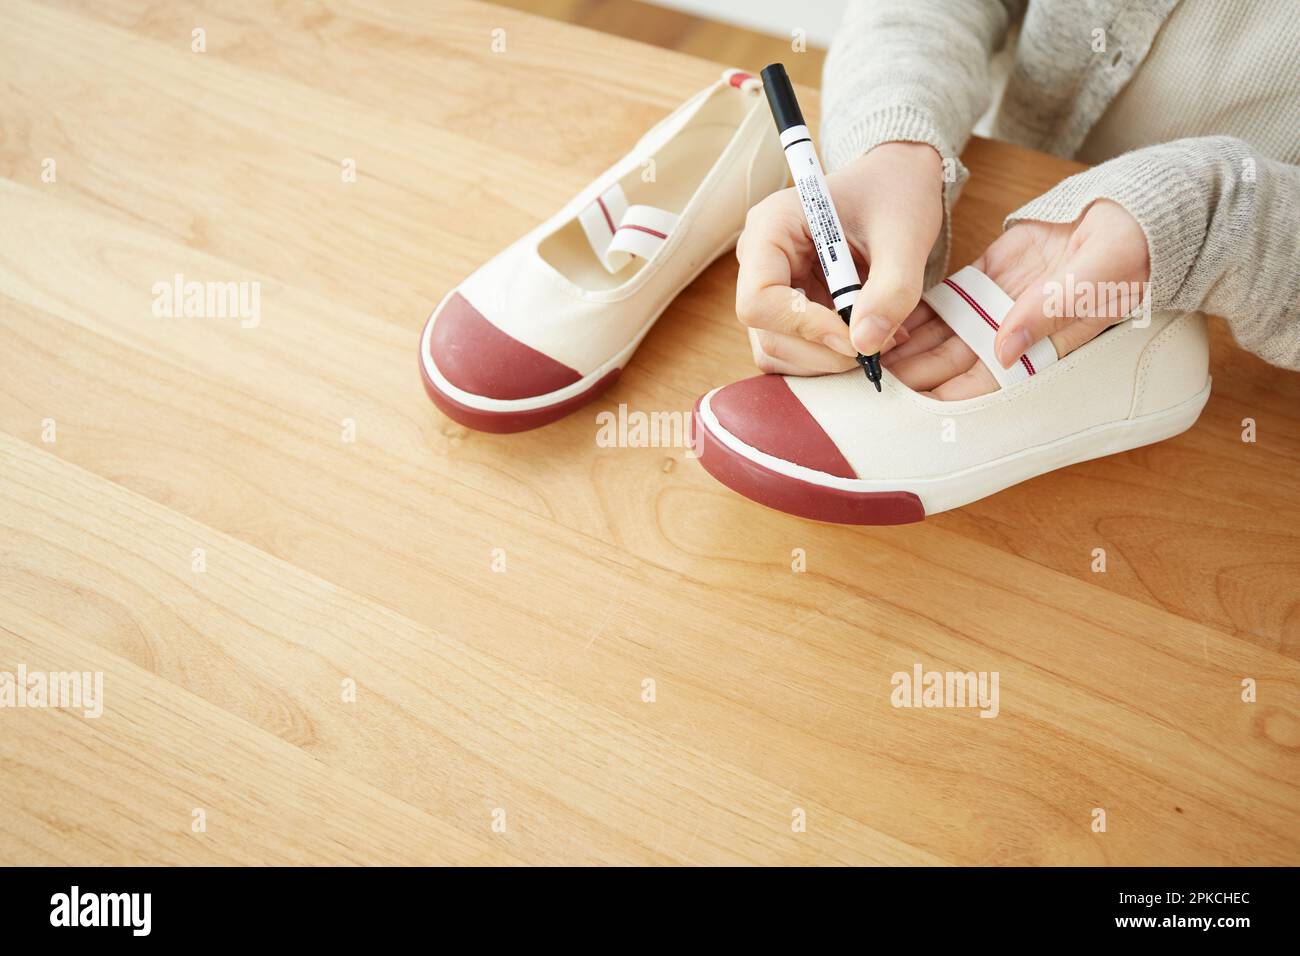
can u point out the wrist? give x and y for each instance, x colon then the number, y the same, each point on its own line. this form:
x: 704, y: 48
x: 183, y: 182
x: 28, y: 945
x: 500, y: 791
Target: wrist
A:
x: 922, y: 153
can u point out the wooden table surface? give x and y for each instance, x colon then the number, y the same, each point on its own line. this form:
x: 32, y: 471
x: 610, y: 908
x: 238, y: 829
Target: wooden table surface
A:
x: 236, y: 525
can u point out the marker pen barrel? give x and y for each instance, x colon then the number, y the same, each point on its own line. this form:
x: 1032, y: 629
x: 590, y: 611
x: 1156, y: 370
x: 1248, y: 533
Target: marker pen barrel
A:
x: 833, y: 250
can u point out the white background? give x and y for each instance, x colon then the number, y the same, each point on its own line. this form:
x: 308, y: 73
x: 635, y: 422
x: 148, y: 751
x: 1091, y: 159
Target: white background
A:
x: 817, y: 18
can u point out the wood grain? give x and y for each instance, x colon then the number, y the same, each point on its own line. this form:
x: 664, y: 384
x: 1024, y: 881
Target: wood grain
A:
x: 371, y: 559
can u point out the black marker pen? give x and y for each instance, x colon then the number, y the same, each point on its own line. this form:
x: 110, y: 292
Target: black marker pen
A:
x: 823, y: 222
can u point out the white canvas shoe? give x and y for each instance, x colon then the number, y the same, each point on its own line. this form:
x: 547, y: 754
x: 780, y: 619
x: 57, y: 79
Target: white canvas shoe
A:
x: 831, y: 449
x: 548, y: 324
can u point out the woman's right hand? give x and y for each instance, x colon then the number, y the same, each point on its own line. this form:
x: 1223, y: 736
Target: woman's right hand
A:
x: 890, y: 203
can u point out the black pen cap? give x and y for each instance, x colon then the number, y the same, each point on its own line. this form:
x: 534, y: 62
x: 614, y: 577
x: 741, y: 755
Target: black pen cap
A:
x: 780, y: 97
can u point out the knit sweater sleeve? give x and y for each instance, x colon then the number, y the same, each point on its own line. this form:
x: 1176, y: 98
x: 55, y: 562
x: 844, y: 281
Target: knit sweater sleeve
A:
x: 1223, y: 232
x: 913, y: 71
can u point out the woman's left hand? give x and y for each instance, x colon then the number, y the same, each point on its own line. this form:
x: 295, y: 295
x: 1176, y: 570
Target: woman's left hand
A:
x: 1069, y: 281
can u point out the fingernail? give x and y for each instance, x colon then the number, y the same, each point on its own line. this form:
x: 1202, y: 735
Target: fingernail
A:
x: 1012, y: 347
x: 840, y: 344
x: 871, y: 333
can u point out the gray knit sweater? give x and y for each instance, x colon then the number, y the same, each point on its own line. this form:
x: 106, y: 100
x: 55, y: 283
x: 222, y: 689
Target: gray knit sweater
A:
x: 1191, y: 109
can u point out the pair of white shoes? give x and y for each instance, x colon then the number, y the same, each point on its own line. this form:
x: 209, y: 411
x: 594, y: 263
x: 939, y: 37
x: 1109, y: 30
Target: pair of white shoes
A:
x: 548, y: 324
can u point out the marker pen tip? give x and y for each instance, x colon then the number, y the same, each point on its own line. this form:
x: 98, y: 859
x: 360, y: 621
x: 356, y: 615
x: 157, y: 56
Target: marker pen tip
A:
x: 871, y: 368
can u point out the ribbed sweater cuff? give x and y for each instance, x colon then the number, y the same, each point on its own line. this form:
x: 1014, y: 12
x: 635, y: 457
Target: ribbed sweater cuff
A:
x: 890, y: 124
x: 1157, y: 191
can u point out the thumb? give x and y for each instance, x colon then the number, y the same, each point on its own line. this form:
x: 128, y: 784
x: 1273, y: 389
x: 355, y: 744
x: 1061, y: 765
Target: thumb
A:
x: 891, y: 292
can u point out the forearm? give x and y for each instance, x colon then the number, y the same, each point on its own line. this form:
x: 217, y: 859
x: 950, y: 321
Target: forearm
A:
x: 912, y: 71
x: 1223, y: 232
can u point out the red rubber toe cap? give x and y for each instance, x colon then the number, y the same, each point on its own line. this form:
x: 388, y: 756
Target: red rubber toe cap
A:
x: 477, y: 357
x: 764, y: 414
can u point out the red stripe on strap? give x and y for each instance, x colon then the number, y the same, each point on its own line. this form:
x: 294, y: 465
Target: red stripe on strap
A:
x: 608, y: 218
x: 1024, y: 359
x: 739, y: 78
x: 972, y: 303
x: 653, y: 232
